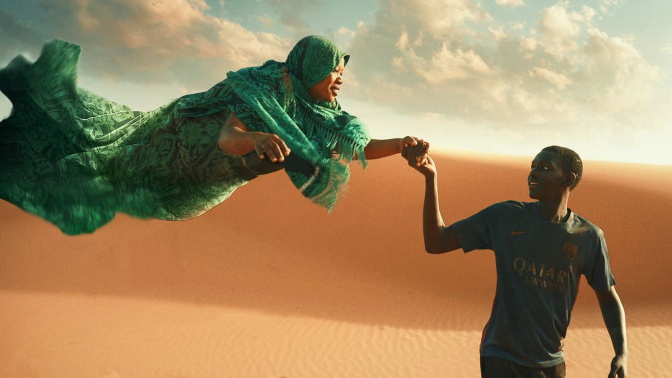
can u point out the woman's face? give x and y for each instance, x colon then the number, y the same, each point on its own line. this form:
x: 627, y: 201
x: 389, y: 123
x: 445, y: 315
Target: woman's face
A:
x: 327, y: 89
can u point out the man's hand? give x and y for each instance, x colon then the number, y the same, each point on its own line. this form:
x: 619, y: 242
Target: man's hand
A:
x: 411, y: 141
x: 614, y: 319
x: 417, y: 157
x: 619, y: 367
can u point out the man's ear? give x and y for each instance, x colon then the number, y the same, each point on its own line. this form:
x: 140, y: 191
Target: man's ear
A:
x: 570, y: 179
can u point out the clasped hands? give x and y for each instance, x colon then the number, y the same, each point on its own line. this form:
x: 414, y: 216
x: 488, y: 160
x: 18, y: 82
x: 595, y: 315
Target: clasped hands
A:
x: 416, y: 153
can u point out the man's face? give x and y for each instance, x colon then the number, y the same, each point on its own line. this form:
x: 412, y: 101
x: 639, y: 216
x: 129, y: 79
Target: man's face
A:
x: 546, y: 181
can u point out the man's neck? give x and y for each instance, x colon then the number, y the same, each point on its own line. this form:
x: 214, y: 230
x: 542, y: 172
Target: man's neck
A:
x: 554, y: 211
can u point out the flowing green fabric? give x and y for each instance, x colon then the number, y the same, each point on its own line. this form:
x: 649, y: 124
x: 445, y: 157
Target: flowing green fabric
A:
x: 75, y: 158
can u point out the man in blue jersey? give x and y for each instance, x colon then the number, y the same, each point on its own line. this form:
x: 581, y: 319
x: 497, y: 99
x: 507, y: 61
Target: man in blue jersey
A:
x: 541, y: 250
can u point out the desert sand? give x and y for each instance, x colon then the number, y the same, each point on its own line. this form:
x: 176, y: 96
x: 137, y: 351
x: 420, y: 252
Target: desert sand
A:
x: 269, y: 285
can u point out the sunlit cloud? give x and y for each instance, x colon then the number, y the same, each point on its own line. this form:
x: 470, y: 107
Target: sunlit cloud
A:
x: 291, y: 13
x: 161, y: 40
x: 667, y: 50
x: 518, y: 25
x: 555, y: 81
x: 497, y: 33
x: 510, y: 3
x: 606, y: 5
x: 560, y: 29
x: 439, y: 18
x: 347, y: 32
x: 527, y: 45
x: 620, y: 79
x: 558, y: 79
x: 446, y: 65
x: 266, y: 21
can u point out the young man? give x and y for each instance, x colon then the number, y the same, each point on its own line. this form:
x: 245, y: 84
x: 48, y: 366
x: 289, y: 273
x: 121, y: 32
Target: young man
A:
x: 541, y: 250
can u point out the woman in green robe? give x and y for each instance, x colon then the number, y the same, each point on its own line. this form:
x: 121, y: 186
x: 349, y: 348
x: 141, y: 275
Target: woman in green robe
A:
x: 75, y: 158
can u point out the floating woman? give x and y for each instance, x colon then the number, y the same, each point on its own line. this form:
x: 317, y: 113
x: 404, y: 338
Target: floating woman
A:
x: 75, y: 158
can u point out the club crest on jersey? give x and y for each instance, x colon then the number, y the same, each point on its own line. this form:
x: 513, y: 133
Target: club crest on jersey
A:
x: 570, y: 251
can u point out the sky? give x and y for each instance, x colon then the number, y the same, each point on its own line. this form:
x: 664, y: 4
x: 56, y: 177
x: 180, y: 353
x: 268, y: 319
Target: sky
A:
x: 496, y: 76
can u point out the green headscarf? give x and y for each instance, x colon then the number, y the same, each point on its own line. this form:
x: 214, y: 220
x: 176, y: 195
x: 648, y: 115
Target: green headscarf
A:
x: 273, y: 98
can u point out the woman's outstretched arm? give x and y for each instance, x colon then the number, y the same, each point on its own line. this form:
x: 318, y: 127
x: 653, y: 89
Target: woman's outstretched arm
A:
x: 236, y: 139
x: 380, y: 148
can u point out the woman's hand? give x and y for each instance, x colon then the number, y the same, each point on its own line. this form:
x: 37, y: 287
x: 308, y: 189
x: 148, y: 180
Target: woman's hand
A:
x: 415, y: 148
x: 270, y: 145
x: 426, y: 165
x: 236, y: 139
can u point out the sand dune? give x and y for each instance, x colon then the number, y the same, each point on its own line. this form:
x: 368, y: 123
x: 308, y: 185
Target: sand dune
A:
x: 267, y: 284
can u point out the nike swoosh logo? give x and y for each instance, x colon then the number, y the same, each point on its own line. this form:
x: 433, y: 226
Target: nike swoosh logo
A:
x: 516, y: 233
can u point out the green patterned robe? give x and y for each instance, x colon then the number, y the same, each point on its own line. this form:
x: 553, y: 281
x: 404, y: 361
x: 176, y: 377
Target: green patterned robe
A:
x: 75, y: 158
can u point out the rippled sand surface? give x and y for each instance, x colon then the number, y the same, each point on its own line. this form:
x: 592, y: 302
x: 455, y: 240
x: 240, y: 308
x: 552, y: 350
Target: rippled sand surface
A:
x: 268, y: 285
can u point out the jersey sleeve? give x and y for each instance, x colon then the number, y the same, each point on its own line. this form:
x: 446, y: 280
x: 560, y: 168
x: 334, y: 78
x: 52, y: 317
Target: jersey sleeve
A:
x: 598, y: 271
x: 475, y: 232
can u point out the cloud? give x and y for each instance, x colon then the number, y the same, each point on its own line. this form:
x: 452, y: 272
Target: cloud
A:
x: 347, y: 32
x: 547, y: 82
x: 160, y: 40
x: 461, y: 72
x: 560, y: 29
x: 498, y: 33
x: 616, y: 77
x: 15, y: 34
x: 446, y: 65
x: 419, y: 41
x: 527, y: 45
x: 265, y: 20
x: 510, y: 3
x: 560, y: 80
x: 606, y: 5
x: 518, y: 25
x: 667, y: 50
x: 439, y: 18
x: 291, y: 14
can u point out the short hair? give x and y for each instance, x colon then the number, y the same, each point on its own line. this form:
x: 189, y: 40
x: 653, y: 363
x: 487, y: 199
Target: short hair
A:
x: 569, y: 162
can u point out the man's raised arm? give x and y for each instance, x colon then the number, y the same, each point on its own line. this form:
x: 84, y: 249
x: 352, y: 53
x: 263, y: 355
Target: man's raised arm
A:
x: 438, y: 238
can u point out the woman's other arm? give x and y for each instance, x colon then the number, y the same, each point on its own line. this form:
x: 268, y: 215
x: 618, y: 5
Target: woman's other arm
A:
x: 236, y: 139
